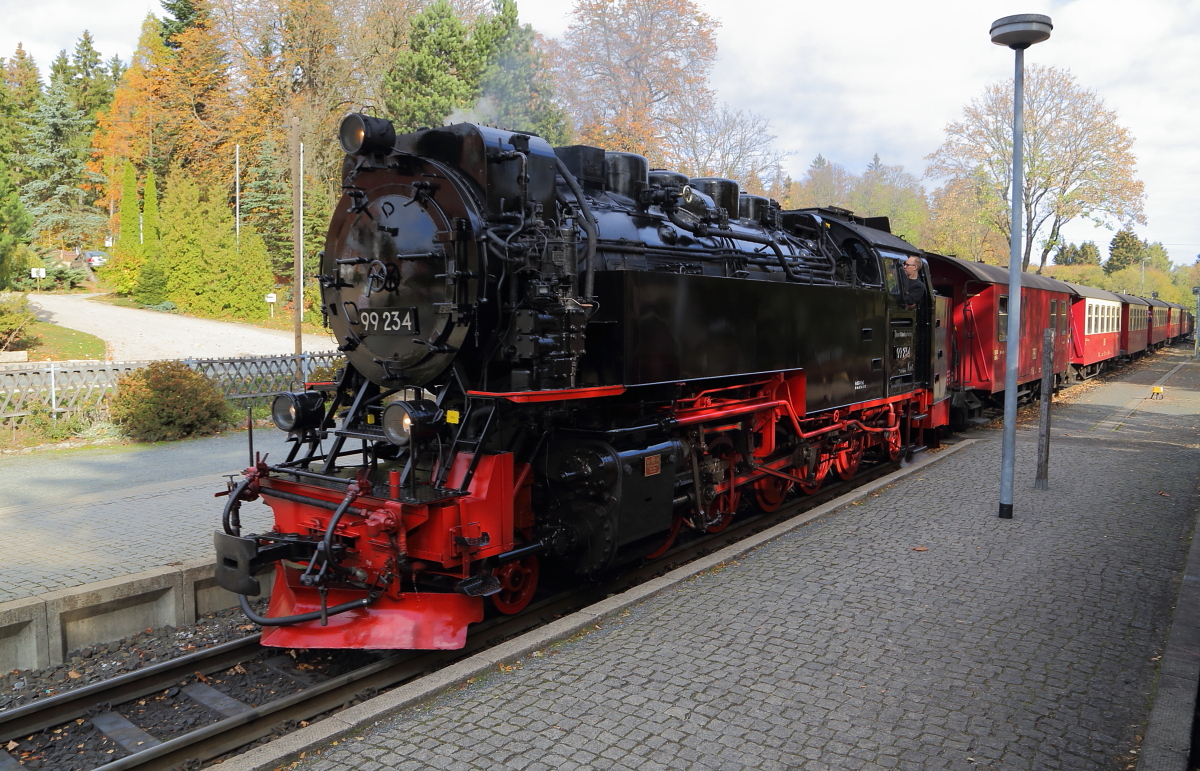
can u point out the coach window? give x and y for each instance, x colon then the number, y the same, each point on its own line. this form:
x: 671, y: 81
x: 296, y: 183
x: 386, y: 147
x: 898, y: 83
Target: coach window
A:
x: 1002, y: 318
x: 1064, y: 316
x: 1053, y: 315
x: 1091, y: 314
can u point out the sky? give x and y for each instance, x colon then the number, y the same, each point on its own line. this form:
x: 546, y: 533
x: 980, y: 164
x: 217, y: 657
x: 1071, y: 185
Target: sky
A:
x: 884, y: 79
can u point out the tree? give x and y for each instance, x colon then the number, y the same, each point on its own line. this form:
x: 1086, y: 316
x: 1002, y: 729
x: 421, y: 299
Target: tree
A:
x: 712, y: 140
x: 122, y: 273
x: 16, y: 227
x: 958, y: 225
x: 151, y: 288
x: 91, y: 82
x: 824, y: 184
x: 181, y: 16
x: 57, y: 165
x: 889, y: 191
x: 625, y: 65
x: 267, y: 205
x: 1078, y: 161
x: 1084, y: 254
x: 515, y: 86
x: 24, y: 80
x: 207, y: 273
x: 1124, y: 251
x: 438, y: 73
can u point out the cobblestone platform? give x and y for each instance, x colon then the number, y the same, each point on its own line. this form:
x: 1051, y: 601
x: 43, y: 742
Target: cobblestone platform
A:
x: 915, y: 630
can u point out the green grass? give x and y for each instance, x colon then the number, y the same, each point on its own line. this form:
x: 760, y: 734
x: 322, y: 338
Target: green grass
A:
x: 61, y: 344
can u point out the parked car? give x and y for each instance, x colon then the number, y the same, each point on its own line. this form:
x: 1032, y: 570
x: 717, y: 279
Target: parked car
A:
x: 95, y: 259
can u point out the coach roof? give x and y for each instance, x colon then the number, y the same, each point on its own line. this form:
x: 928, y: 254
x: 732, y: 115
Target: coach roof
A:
x: 993, y: 274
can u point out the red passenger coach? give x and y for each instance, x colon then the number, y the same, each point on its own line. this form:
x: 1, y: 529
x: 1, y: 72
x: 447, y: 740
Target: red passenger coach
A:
x: 1135, y: 324
x: 1095, y: 330
x: 980, y: 322
x: 1159, y: 312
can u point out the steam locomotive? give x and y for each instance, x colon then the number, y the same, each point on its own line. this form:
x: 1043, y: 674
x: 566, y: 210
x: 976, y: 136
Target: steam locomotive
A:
x: 560, y: 355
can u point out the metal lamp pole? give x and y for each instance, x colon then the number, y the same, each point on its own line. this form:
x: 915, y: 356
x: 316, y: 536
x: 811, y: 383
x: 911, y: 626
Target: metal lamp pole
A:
x: 1144, y: 277
x: 1018, y: 33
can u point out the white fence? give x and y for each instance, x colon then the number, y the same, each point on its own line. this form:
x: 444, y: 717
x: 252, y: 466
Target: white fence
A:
x: 71, y: 386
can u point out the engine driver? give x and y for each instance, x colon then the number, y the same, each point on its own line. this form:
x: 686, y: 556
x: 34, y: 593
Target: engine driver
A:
x: 912, y: 290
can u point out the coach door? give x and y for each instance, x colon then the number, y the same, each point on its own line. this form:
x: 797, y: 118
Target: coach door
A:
x: 901, y: 358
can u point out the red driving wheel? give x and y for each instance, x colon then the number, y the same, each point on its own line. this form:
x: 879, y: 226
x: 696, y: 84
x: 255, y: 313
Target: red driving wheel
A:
x: 810, y: 480
x: 518, y: 581
x: 848, y: 456
x: 770, y: 491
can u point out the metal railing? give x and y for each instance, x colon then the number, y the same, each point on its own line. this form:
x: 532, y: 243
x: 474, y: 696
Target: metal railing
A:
x: 72, y: 386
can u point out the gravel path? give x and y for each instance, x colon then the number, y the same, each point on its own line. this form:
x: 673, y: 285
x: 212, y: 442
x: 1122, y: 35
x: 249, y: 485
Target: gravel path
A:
x: 137, y: 335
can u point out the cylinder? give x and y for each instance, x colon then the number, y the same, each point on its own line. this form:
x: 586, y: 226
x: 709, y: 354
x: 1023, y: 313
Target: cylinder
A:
x: 753, y: 207
x: 724, y: 192
x: 626, y: 174
x: 664, y: 178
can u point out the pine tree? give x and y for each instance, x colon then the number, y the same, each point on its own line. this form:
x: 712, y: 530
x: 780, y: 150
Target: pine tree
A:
x: 57, y: 165
x: 267, y: 205
x: 122, y: 273
x: 183, y: 14
x: 60, y: 69
x: 151, y: 286
x: 151, y: 240
x: 91, y: 82
x: 515, y: 85
x: 1124, y: 251
x: 182, y: 242
x: 15, y: 227
x: 1089, y: 253
x: 24, y: 80
x: 438, y: 72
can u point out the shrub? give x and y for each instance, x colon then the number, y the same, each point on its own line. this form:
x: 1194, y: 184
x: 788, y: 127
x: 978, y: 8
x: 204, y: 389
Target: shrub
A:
x: 168, y: 400
x: 16, y: 317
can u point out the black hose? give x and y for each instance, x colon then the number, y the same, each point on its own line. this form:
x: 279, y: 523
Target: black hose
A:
x: 327, y: 544
x: 588, y: 224
x: 230, y: 519
x: 299, y: 618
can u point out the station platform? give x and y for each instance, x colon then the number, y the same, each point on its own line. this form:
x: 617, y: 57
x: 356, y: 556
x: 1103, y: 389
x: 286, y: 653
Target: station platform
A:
x: 910, y: 629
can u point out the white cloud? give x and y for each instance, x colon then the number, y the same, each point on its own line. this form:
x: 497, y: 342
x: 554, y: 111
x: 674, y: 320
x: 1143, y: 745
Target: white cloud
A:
x: 878, y: 76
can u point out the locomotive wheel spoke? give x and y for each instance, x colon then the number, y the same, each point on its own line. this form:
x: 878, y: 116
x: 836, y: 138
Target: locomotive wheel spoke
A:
x: 770, y: 491
x: 518, y: 582
x: 847, y: 460
x: 810, y: 481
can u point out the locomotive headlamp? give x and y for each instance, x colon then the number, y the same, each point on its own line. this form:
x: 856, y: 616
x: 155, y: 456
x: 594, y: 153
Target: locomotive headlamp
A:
x: 298, y: 411
x: 364, y: 135
x: 405, y: 421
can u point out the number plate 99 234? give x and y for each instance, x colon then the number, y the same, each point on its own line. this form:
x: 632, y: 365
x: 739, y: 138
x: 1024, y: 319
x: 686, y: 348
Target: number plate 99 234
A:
x: 389, y: 321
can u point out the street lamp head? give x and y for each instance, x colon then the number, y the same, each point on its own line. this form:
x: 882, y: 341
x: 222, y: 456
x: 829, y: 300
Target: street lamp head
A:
x: 1022, y: 30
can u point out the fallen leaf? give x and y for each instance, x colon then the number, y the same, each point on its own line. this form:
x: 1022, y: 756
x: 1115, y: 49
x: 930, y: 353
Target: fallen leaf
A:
x: 11, y: 746
x: 202, y: 677
x: 1160, y: 492
x: 920, y: 548
x: 74, y: 675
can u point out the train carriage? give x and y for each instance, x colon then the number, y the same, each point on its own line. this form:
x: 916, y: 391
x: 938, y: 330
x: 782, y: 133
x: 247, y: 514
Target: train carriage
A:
x: 1095, y: 330
x: 979, y: 299
x: 1158, y: 318
x: 1135, y: 324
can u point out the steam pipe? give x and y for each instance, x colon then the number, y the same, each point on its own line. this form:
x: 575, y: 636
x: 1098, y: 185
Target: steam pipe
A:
x: 702, y: 230
x: 589, y: 226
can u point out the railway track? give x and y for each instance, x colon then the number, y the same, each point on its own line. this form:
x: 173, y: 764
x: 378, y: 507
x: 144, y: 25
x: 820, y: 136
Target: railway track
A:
x: 159, y: 694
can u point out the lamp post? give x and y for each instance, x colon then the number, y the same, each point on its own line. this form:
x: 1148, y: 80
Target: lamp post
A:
x: 1144, y: 277
x: 1018, y: 33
